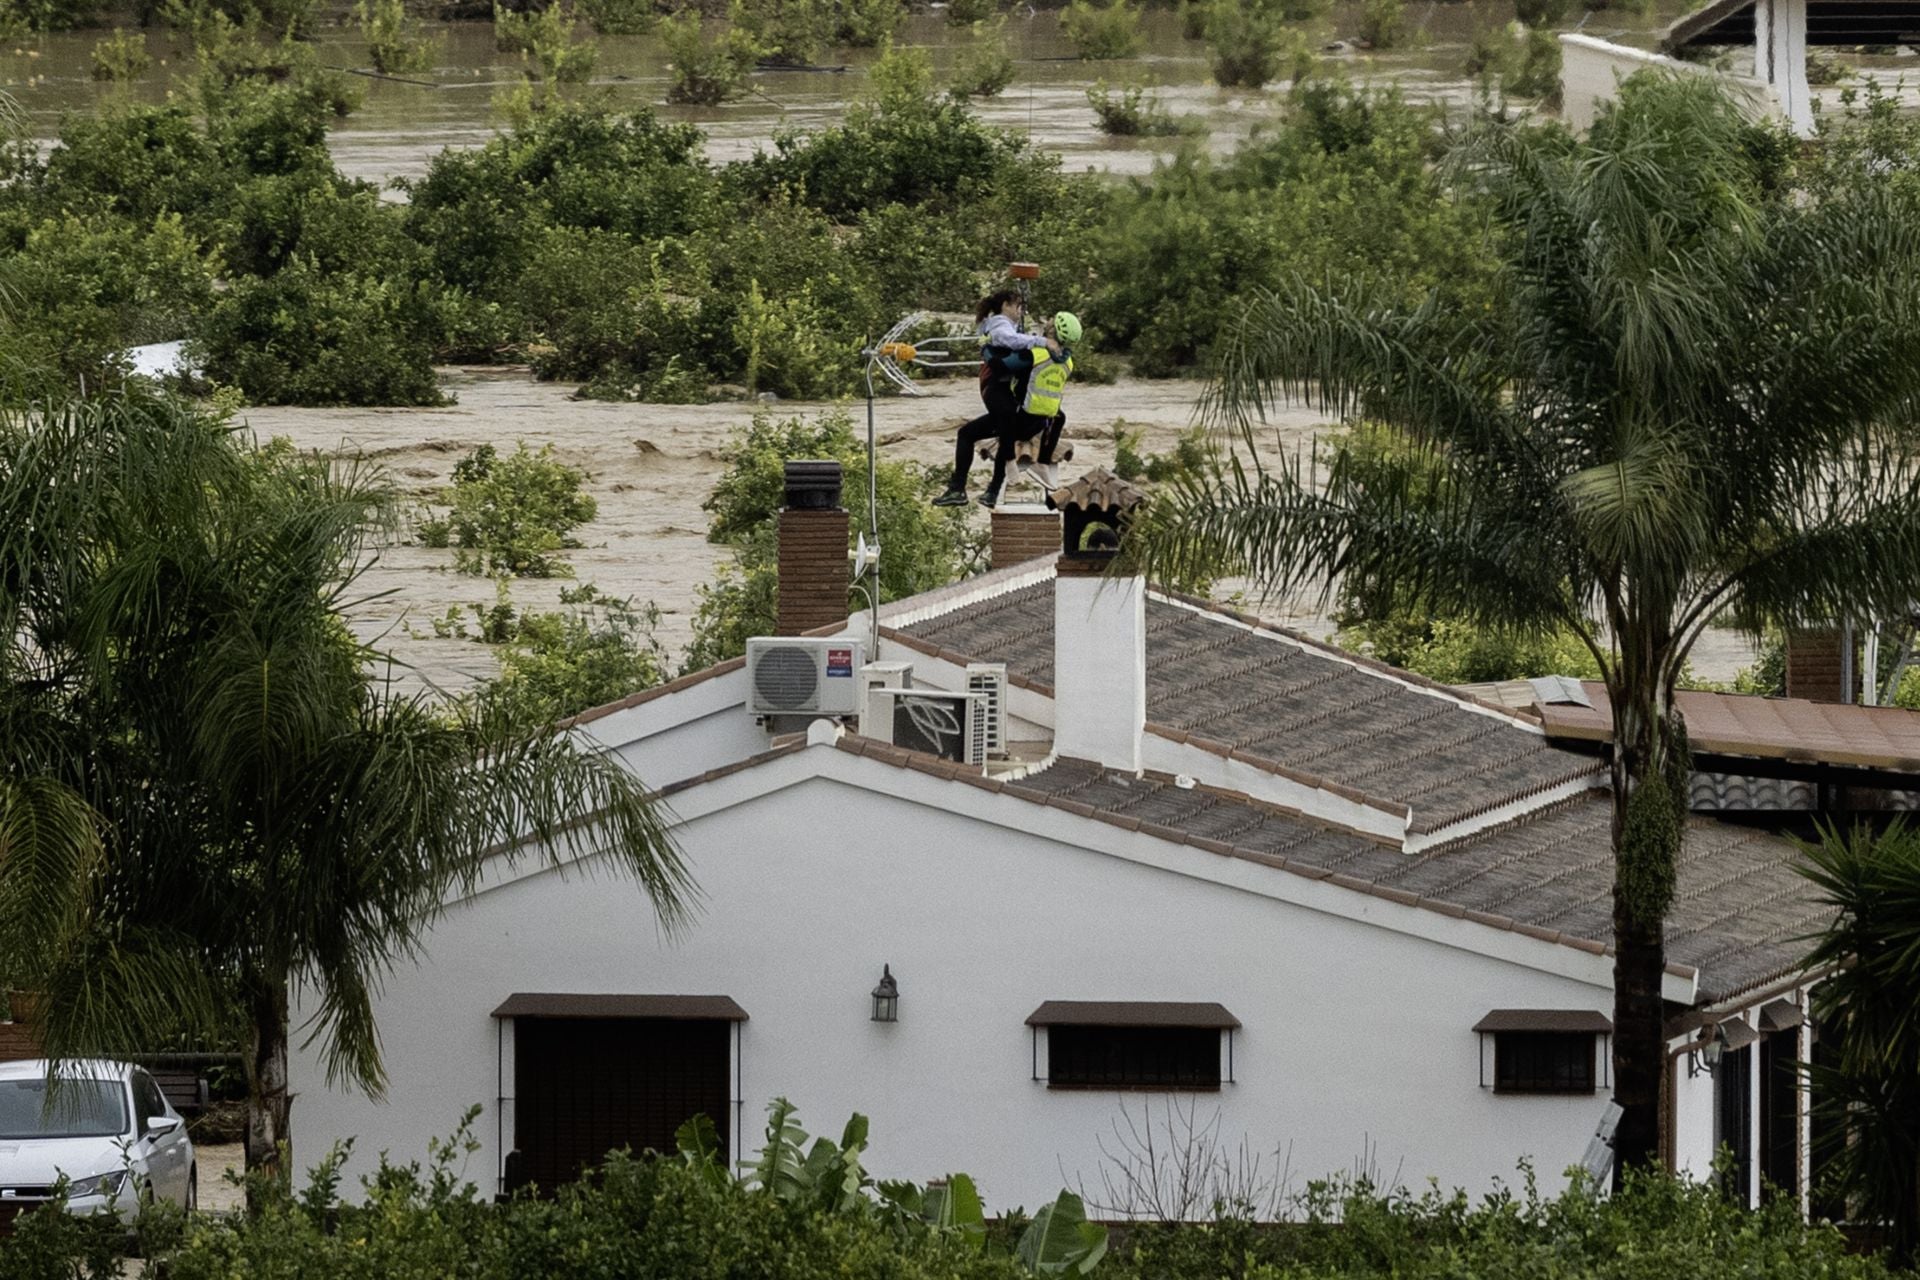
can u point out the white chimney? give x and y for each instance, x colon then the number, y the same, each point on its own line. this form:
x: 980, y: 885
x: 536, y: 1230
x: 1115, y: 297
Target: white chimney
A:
x: 1099, y: 665
x: 1099, y: 628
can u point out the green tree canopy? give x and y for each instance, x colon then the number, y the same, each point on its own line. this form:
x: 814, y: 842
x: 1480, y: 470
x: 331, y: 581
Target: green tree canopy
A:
x: 208, y: 792
x: 1691, y: 394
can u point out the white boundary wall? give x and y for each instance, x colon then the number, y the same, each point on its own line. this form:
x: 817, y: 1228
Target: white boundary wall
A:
x: 1591, y: 70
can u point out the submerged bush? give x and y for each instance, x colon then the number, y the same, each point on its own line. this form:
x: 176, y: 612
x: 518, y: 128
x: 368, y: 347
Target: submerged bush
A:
x: 1252, y: 45
x: 787, y: 33
x: 513, y: 514
x: 1129, y: 112
x: 984, y: 68
x: 395, y: 41
x: 121, y: 57
x: 548, y: 37
x: 705, y: 71
x: 1102, y: 33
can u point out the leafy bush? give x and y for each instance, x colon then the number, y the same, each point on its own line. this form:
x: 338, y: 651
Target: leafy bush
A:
x: 512, y: 515
x: 1102, y: 33
x: 866, y: 24
x: 1383, y: 23
x: 395, y: 42
x: 964, y: 13
x: 620, y: 17
x: 1193, y: 19
x: 1129, y: 112
x: 312, y: 337
x: 1521, y: 61
x: 787, y: 33
x: 1344, y: 185
x: 559, y: 663
x: 1251, y: 44
x: 705, y: 72
x: 926, y: 546
x: 120, y: 57
x: 82, y: 290
x: 548, y: 37
x: 18, y: 17
x: 1539, y: 13
x: 984, y: 68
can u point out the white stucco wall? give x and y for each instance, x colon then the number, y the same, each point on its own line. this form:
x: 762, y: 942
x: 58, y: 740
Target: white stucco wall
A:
x: 1591, y: 70
x: 1357, y: 1041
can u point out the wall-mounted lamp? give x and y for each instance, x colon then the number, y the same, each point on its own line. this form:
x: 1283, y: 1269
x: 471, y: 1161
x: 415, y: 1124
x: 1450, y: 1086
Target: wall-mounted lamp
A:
x: 1707, y: 1050
x: 886, y: 997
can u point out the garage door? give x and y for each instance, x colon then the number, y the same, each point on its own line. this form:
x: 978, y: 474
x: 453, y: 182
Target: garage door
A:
x: 587, y: 1086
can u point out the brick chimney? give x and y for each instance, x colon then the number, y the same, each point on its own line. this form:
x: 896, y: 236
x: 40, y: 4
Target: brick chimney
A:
x: 1099, y: 628
x: 814, y: 575
x: 1022, y: 532
x: 1820, y: 665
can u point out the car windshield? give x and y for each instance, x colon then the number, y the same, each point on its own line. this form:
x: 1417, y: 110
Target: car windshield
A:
x: 81, y: 1109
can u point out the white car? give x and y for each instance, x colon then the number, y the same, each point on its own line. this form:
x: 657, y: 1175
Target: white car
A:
x: 109, y: 1132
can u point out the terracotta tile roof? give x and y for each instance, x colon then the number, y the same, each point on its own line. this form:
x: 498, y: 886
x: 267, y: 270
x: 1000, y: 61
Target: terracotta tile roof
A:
x: 1769, y: 728
x: 1388, y: 738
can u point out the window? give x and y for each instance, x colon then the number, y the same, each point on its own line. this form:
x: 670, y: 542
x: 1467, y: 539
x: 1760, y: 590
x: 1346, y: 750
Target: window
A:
x: 1542, y: 1050
x: 148, y: 1104
x: 1133, y: 1045
x: 1133, y: 1057
x: 1543, y: 1062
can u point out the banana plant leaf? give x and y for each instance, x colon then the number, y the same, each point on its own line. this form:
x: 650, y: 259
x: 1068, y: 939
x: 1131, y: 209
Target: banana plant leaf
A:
x: 1060, y: 1241
x: 699, y: 1143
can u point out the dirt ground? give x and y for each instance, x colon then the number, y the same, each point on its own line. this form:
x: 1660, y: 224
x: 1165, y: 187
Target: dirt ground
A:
x: 650, y: 467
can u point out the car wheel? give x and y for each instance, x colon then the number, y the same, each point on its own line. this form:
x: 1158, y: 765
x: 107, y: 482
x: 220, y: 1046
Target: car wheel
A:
x: 193, y: 1188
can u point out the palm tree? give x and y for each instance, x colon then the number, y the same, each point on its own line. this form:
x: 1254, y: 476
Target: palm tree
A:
x: 210, y: 796
x: 1869, y: 964
x: 1677, y: 408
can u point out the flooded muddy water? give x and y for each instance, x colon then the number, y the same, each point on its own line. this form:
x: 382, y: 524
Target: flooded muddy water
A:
x: 401, y: 126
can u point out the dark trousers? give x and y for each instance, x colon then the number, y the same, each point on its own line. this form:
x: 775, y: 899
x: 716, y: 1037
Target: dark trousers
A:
x: 998, y: 420
x: 988, y: 426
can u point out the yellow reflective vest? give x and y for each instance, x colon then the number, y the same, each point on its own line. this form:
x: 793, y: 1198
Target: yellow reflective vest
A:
x: 1047, y: 384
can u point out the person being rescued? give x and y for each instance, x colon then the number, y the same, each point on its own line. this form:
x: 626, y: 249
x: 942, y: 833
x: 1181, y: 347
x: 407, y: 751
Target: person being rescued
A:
x: 1023, y: 377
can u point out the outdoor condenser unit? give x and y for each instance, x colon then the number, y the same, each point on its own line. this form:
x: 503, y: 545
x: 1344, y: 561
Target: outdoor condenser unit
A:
x: 989, y: 680
x: 950, y: 725
x: 804, y: 675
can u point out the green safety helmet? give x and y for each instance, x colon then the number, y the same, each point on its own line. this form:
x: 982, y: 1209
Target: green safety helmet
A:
x: 1066, y: 326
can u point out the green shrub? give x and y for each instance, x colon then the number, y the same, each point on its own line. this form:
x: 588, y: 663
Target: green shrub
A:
x: 1102, y: 33
x: 926, y: 545
x: 964, y: 13
x: 1383, y: 23
x: 19, y: 17
x: 513, y: 514
x: 1129, y: 112
x: 1521, y: 61
x: 559, y: 663
x: 82, y: 290
x: 984, y: 68
x: 866, y: 24
x: 787, y: 33
x: 303, y: 336
x: 1540, y: 13
x: 620, y: 17
x: 395, y: 41
x: 1343, y: 185
x: 548, y: 36
x: 1251, y: 44
x: 705, y: 71
x: 121, y: 57
x: 1193, y: 19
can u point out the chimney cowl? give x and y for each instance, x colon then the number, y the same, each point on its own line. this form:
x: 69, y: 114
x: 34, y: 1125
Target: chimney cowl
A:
x: 1097, y: 501
x: 813, y: 484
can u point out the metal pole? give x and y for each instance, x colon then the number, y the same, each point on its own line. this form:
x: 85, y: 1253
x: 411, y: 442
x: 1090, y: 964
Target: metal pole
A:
x: 873, y: 524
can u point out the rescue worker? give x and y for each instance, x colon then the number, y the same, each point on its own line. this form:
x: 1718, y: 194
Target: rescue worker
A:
x: 997, y: 319
x: 1037, y: 381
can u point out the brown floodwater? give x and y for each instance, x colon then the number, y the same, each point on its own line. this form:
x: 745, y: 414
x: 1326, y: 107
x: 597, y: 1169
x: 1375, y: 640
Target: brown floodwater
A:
x: 401, y: 126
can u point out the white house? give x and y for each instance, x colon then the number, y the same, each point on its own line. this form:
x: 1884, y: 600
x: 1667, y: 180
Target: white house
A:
x: 1216, y: 873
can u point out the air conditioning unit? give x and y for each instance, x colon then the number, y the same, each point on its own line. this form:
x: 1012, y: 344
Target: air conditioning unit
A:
x: 950, y: 725
x: 882, y: 675
x: 989, y: 680
x: 803, y: 676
